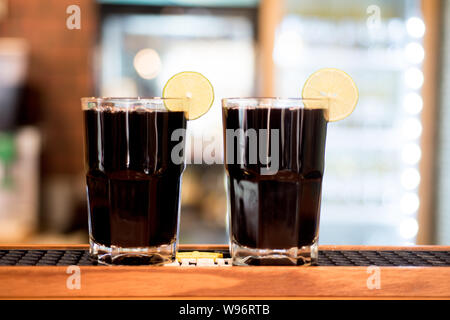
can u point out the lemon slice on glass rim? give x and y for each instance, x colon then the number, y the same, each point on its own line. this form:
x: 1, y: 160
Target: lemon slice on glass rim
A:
x: 337, y: 86
x: 195, y: 90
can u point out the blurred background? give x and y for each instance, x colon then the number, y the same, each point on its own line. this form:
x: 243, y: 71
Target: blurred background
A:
x: 387, y: 169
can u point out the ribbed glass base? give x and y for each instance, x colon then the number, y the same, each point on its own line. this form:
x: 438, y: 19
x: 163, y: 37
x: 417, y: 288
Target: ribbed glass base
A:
x: 113, y: 255
x: 245, y: 256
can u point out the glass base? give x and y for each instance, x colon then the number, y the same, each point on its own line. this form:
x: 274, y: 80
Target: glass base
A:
x: 113, y: 255
x: 303, y: 256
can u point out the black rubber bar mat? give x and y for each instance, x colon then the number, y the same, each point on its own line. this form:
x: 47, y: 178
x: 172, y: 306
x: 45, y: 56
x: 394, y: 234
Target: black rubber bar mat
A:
x: 326, y: 258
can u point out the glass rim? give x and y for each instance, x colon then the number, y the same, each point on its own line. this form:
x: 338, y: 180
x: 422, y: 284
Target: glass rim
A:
x: 235, y: 99
x: 127, y: 99
x: 275, y: 102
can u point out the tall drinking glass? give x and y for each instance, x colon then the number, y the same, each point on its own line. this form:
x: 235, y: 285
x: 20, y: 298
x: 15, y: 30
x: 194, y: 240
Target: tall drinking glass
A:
x: 133, y: 181
x: 274, y: 160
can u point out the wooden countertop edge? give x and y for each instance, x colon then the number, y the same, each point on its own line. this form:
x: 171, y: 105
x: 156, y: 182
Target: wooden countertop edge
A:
x: 250, y: 298
x: 196, y: 282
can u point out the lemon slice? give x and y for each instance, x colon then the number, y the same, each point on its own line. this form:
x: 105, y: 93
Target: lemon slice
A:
x: 337, y: 86
x: 195, y: 88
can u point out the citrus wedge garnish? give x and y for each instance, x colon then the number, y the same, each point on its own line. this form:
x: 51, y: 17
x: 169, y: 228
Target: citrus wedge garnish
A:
x: 192, y: 86
x: 337, y: 86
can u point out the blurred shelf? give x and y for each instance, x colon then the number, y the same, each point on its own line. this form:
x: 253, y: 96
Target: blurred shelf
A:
x: 349, y: 58
x: 46, y: 238
x: 386, y: 139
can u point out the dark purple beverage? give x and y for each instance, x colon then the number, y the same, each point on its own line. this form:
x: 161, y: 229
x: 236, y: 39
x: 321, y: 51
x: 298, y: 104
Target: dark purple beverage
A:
x: 133, y: 186
x: 278, y: 211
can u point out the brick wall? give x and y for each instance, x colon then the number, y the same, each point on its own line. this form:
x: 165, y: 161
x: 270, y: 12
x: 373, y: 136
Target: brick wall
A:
x: 60, y: 71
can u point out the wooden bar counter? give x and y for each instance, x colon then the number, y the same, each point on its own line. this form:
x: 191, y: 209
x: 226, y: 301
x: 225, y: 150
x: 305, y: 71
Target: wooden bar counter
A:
x: 226, y: 282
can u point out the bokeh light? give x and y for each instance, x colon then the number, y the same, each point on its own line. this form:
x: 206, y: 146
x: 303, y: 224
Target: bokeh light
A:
x: 409, y: 203
x: 414, y: 52
x: 412, y: 128
x: 410, y: 178
x: 411, y: 153
x: 409, y: 228
x: 413, y: 103
x: 147, y: 63
x: 414, y: 78
x: 415, y: 27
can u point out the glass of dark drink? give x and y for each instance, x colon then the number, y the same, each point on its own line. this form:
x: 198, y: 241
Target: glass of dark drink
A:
x: 274, y: 160
x: 133, y: 179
